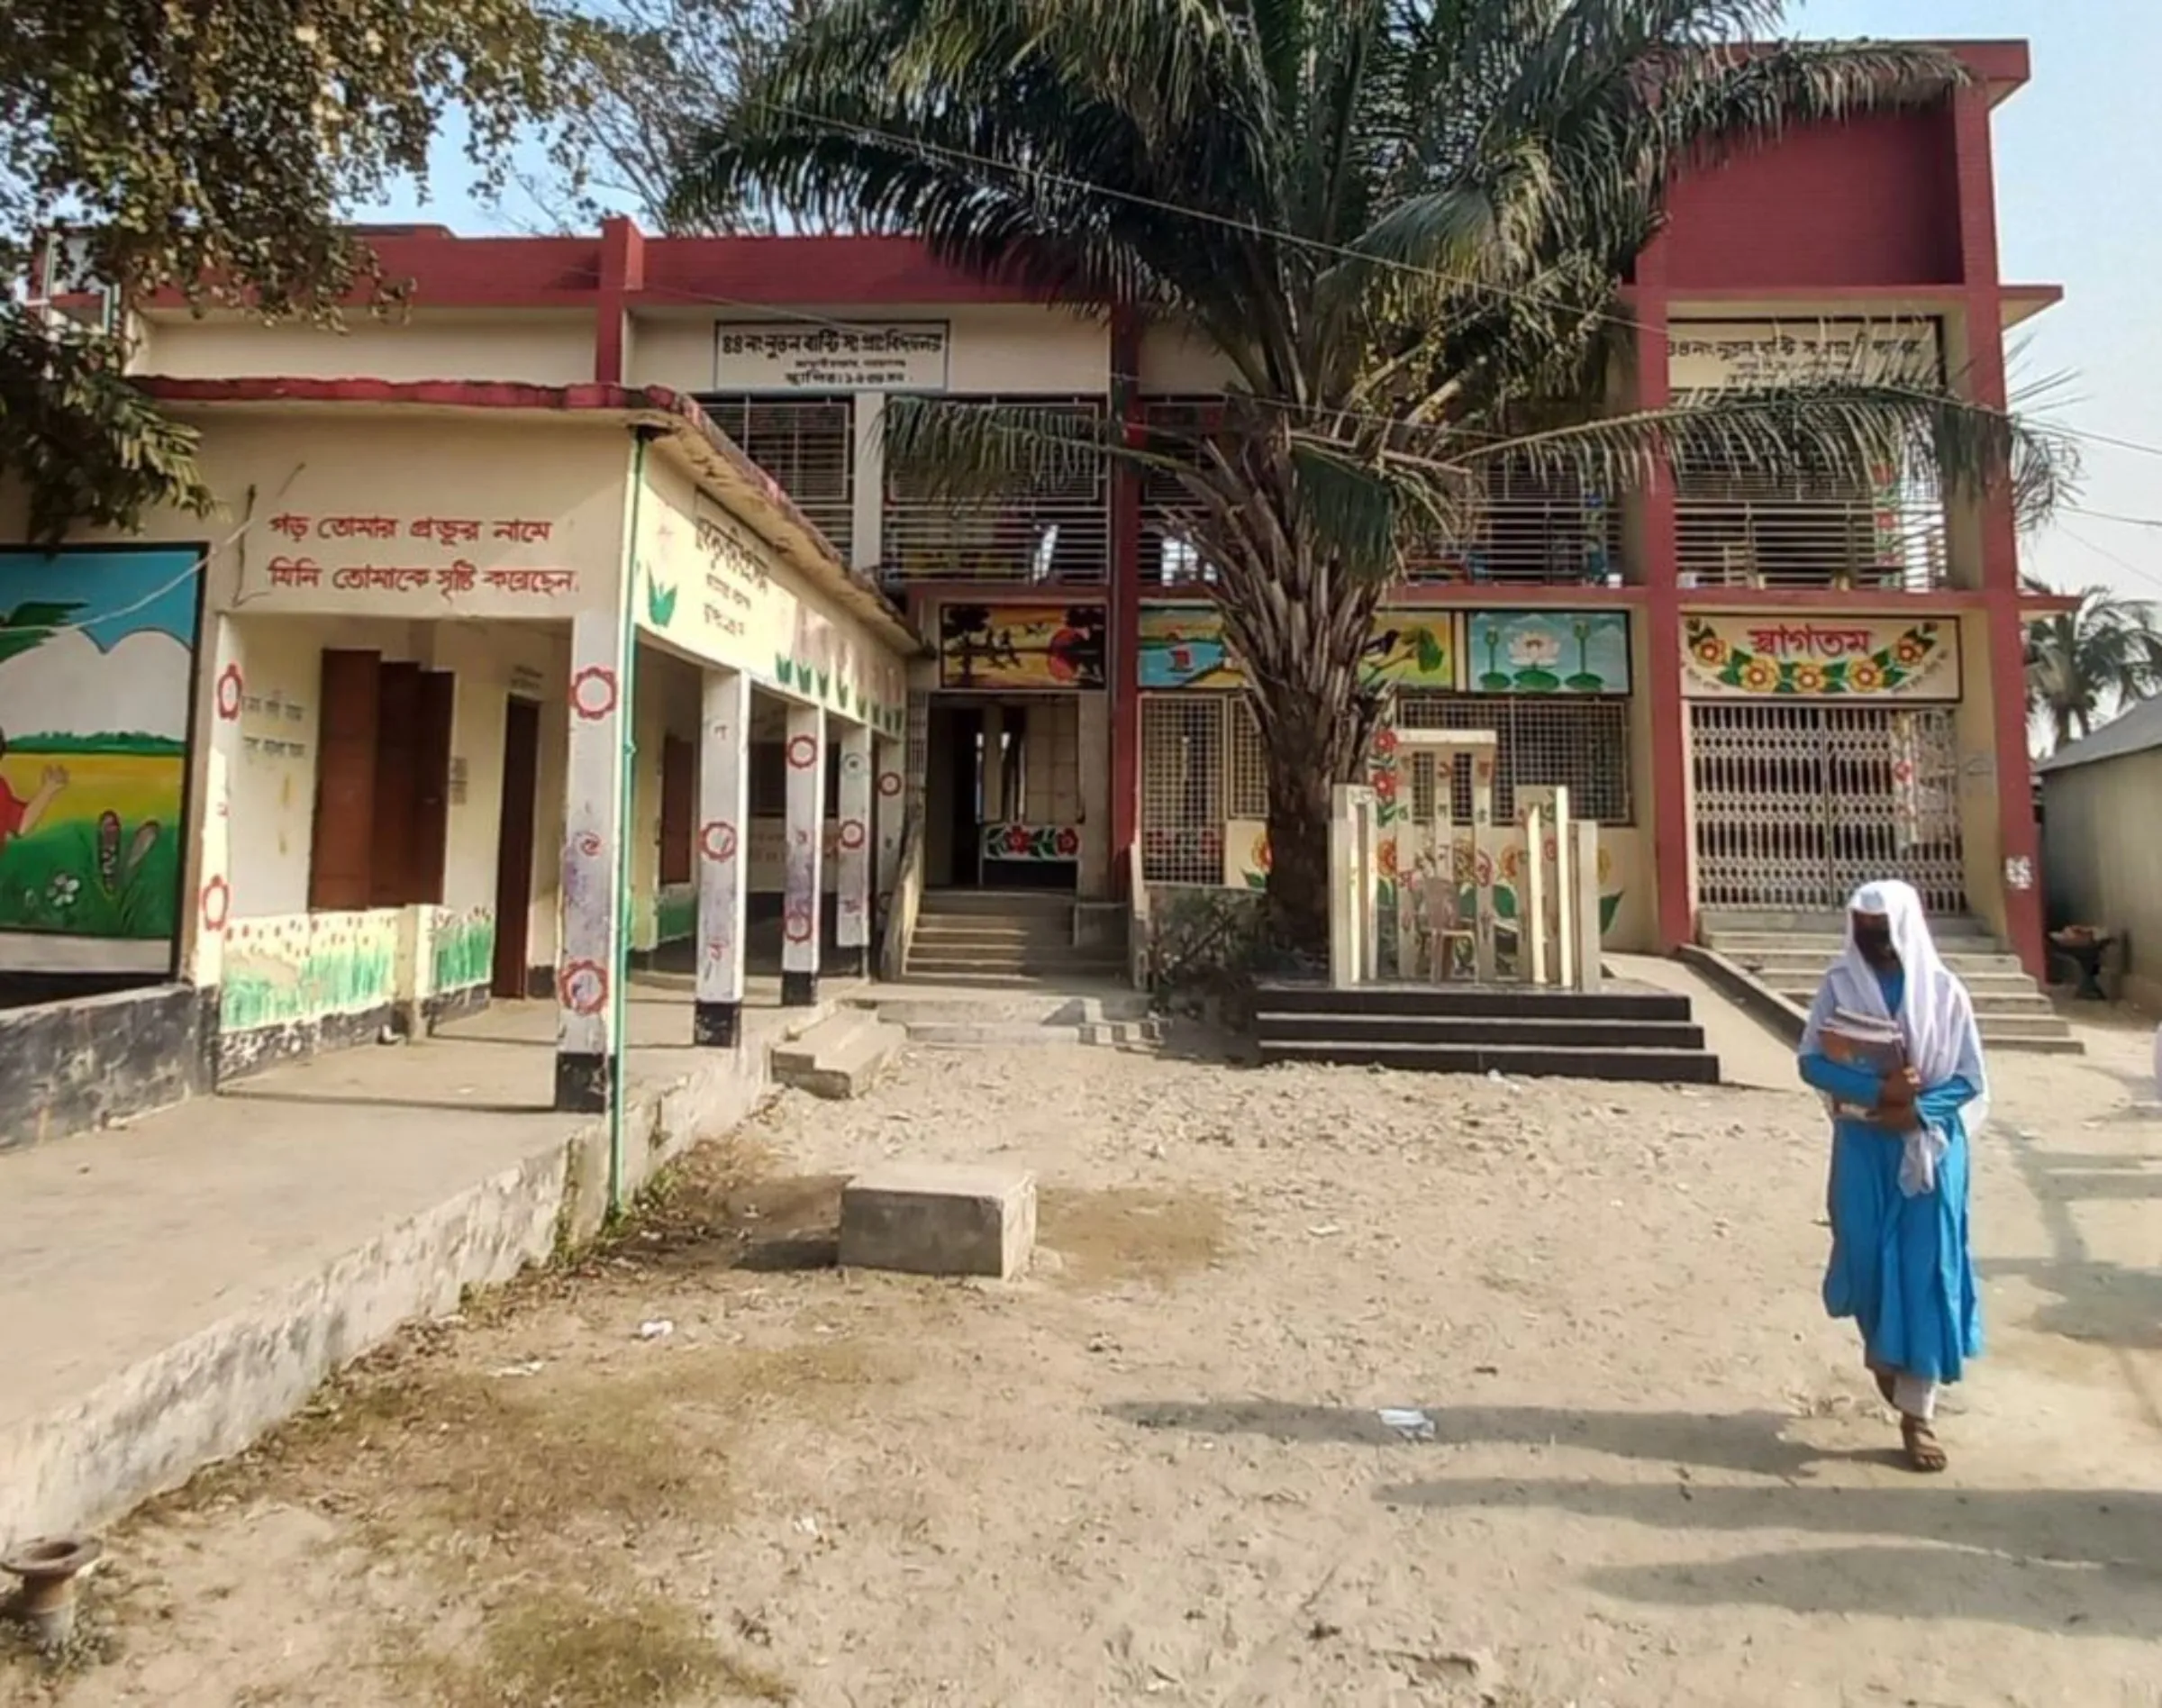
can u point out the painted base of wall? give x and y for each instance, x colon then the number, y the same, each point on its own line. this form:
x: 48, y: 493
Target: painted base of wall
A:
x: 582, y: 1082
x: 454, y: 1006
x: 241, y: 1053
x: 716, y: 1025
x: 72, y: 1067
x: 540, y: 983
x: 799, y: 990
x: 30, y: 990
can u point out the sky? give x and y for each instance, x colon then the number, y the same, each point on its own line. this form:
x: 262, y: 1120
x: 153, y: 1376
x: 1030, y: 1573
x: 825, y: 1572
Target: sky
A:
x: 2079, y: 173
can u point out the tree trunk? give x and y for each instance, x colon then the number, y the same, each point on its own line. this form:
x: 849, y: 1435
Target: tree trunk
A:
x: 1303, y: 660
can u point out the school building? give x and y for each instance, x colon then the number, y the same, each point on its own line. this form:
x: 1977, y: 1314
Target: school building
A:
x: 586, y: 579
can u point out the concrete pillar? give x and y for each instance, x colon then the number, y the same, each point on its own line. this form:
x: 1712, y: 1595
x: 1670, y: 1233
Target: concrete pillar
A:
x: 203, y: 927
x: 723, y: 816
x: 589, y: 957
x: 866, y: 520
x: 803, y: 887
x: 852, y: 929
x: 891, y: 815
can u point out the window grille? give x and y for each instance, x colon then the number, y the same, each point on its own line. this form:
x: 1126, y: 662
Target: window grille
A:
x: 1051, y: 525
x: 1248, y: 796
x: 808, y: 444
x: 1578, y: 742
x: 1182, y: 751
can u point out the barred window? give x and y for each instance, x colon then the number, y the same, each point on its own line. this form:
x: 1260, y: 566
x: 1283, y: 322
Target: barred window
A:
x: 1248, y: 788
x: 808, y: 444
x: 1578, y: 742
x: 1182, y: 751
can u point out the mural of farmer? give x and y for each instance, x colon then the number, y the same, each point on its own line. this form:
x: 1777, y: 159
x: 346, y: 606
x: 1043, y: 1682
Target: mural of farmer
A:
x: 19, y: 817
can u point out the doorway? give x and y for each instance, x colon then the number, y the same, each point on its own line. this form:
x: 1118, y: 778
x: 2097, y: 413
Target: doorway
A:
x: 514, y: 848
x: 1002, y: 793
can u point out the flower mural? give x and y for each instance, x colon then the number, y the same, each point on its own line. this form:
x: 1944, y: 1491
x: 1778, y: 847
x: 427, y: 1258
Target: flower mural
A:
x: 1818, y: 660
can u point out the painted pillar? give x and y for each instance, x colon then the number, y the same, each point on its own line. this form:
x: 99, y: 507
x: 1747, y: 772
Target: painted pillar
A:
x: 888, y: 757
x: 803, y: 884
x: 723, y: 812
x: 1125, y: 621
x: 866, y: 495
x: 852, y: 836
x: 1985, y: 382
x: 589, y: 956
x: 1672, y: 839
x: 202, y: 947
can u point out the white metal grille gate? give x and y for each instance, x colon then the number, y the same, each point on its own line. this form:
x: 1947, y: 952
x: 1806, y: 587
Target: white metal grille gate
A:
x: 1798, y: 805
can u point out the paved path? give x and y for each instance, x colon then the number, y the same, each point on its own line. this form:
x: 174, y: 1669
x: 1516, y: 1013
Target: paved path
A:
x: 343, y: 1188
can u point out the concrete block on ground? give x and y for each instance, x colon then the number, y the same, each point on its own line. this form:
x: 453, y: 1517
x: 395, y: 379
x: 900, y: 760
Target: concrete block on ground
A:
x: 840, y: 1057
x: 927, y: 1219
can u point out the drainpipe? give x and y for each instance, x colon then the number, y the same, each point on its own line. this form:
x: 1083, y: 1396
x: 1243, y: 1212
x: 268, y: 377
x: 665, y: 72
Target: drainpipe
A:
x: 627, y: 675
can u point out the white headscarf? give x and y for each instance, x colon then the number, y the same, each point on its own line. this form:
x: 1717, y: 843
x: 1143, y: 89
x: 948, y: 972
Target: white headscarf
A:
x: 1936, y: 1016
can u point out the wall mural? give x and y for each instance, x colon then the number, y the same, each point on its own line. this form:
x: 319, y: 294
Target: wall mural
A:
x: 1028, y: 648
x: 96, y: 679
x: 1035, y: 843
x: 1183, y: 646
x: 1844, y: 657
x: 1546, y: 652
x: 462, y: 950
x: 304, y: 967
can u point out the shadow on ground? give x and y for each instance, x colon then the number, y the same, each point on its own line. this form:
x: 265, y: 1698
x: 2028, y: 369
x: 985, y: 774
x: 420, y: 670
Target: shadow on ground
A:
x: 2084, y: 1562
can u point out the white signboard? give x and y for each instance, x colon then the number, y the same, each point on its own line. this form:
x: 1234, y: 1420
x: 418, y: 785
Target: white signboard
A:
x: 790, y: 356
x: 1705, y: 356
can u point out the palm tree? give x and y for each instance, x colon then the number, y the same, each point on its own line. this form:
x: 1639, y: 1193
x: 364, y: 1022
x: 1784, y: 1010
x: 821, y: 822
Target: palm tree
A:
x: 1402, y: 224
x: 2085, y: 664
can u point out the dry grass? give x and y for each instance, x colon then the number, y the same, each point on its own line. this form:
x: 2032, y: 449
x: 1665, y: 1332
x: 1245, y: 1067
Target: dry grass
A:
x: 1132, y: 1234
x: 542, y: 1648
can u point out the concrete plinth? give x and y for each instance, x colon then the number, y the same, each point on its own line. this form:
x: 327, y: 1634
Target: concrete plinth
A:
x: 922, y: 1218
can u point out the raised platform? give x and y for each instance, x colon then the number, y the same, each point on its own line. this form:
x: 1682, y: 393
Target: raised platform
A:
x: 1623, y: 1032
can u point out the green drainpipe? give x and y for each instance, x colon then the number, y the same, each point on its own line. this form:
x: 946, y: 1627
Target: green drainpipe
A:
x: 626, y: 675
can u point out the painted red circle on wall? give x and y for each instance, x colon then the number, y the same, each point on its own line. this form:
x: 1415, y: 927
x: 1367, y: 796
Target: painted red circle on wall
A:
x: 582, y: 986
x: 851, y: 835
x: 589, y: 844
x: 799, y: 925
x: 217, y: 904
x: 802, y: 753
x: 717, y: 840
x: 229, y: 688
x: 889, y: 785
x: 593, y: 692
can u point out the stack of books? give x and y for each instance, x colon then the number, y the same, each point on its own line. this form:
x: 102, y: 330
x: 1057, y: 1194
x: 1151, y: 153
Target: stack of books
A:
x: 1864, y: 1041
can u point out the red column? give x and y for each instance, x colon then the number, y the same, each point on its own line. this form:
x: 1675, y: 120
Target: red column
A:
x: 1125, y: 597
x: 1984, y: 353
x: 623, y: 272
x: 1672, y: 839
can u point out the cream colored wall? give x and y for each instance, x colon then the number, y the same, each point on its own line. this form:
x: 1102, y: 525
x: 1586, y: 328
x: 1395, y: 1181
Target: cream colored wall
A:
x: 995, y: 348
x: 272, y: 801
x: 1175, y: 364
x: 2102, y: 857
x: 531, y: 349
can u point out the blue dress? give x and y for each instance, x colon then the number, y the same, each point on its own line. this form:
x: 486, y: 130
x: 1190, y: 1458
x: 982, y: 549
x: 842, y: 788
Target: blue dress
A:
x: 1900, y: 1266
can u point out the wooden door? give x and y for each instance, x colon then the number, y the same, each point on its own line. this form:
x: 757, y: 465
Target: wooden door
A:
x: 341, y: 855
x: 514, y: 846
x: 397, y: 786
x: 678, y: 805
x: 428, y: 844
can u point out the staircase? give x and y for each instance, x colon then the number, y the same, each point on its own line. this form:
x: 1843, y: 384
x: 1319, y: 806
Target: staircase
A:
x: 1789, y: 953
x: 1621, y: 1033
x: 1003, y: 939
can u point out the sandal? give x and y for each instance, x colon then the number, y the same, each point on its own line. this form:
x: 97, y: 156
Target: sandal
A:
x: 1925, y: 1452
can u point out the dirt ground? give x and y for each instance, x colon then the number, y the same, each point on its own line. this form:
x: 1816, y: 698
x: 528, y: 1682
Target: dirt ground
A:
x: 1648, y: 1470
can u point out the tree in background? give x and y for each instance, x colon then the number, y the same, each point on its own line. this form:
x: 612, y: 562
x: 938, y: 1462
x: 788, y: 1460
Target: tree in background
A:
x: 210, y: 148
x: 654, y: 75
x: 2087, y: 666
x: 1403, y: 225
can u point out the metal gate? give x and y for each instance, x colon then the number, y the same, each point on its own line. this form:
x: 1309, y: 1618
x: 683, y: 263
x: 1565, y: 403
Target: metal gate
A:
x: 1798, y: 805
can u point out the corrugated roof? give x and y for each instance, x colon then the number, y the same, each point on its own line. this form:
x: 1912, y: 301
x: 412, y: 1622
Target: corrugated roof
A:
x: 2134, y: 732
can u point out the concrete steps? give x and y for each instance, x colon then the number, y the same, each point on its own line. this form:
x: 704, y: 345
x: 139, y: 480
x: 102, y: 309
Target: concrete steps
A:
x: 2011, y: 1010
x: 840, y: 1057
x: 1010, y: 939
x: 1637, y: 1035
x: 1016, y: 1019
